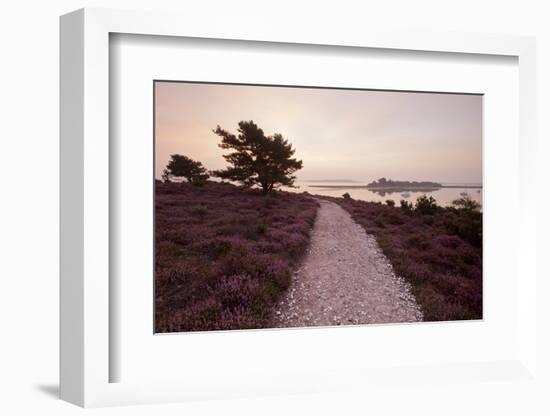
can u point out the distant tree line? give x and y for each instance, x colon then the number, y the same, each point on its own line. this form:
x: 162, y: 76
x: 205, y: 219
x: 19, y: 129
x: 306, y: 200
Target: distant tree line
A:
x: 388, y: 183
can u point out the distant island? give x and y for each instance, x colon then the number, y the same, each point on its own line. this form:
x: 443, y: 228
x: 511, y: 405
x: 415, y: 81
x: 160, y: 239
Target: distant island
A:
x: 385, y: 186
x: 384, y: 183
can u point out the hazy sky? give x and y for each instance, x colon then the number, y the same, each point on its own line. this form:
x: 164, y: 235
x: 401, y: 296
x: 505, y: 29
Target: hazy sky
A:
x: 339, y: 134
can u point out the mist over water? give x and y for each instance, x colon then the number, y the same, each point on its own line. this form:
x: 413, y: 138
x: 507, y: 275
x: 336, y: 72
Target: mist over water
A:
x: 444, y: 196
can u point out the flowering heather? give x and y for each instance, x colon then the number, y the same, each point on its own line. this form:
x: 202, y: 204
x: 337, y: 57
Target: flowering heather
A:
x: 438, y: 251
x: 224, y: 254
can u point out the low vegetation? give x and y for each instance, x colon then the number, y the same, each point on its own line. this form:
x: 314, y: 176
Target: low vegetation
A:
x: 224, y: 254
x: 437, y: 250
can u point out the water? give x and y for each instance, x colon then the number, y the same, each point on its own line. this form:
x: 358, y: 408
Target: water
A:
x: 443, y: 196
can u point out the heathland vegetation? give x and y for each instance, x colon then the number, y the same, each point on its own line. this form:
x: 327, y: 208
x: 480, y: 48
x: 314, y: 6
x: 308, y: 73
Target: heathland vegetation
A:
x: 437, y: 250
x: 225, y: 252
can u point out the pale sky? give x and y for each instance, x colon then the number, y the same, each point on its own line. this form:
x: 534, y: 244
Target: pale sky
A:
x: 338, y: 134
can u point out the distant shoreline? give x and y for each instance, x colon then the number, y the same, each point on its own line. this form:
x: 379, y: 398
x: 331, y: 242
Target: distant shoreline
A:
x: 397, y: 188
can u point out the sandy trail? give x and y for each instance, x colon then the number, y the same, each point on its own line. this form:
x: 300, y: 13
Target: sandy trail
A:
x: 344, y: 279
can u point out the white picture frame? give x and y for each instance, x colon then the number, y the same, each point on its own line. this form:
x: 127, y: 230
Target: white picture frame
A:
x: 85, y: 218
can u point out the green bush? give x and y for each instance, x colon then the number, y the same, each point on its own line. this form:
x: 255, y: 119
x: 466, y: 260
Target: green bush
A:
x: 393, y: 217
x: 428, y: 219
x: 406, y: 206
x: 199, y: 211
x: 467, y: 204
x: 426, y: 205
x: 262, y: 228
x: 379, y: 222
x: 466, y: 224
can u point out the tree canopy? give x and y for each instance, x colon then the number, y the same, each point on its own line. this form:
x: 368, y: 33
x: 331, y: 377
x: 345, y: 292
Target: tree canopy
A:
x: 257, y: 159
x: 183, y: 167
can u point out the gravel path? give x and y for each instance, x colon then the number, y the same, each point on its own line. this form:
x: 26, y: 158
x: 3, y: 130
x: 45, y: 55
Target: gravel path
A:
x: 344, y: 279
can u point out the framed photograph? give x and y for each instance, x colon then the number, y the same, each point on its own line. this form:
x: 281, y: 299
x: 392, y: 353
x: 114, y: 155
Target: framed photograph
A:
x: 260, y: 240
x: 249, y: 214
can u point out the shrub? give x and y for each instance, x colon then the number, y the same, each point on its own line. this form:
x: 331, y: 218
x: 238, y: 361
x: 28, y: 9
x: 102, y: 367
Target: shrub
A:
x: 448, y: 241
x: 212, y: 248
x: 199, y: 211
x: 437, y: 251
x: 346, y: 196
x: 428, y: 219
x: 393, y: 217
x: 425, y: 205
x: 227, y: 270
x: 466, y: 224
x: 406, y: 206
x: 261, y: 228
x: 466, y: 203
x: 390, y: 202
x: 379, y: 222
x: 418, y: 241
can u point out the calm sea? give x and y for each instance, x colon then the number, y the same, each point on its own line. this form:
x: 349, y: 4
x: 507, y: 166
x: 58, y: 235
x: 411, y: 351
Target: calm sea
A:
x: 443, y: 196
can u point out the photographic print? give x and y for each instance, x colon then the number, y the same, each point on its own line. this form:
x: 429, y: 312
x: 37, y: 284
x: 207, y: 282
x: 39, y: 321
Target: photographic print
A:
x: 283, y: 206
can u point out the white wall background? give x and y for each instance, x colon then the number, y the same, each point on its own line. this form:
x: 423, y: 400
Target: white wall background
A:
x: 29, y: 196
